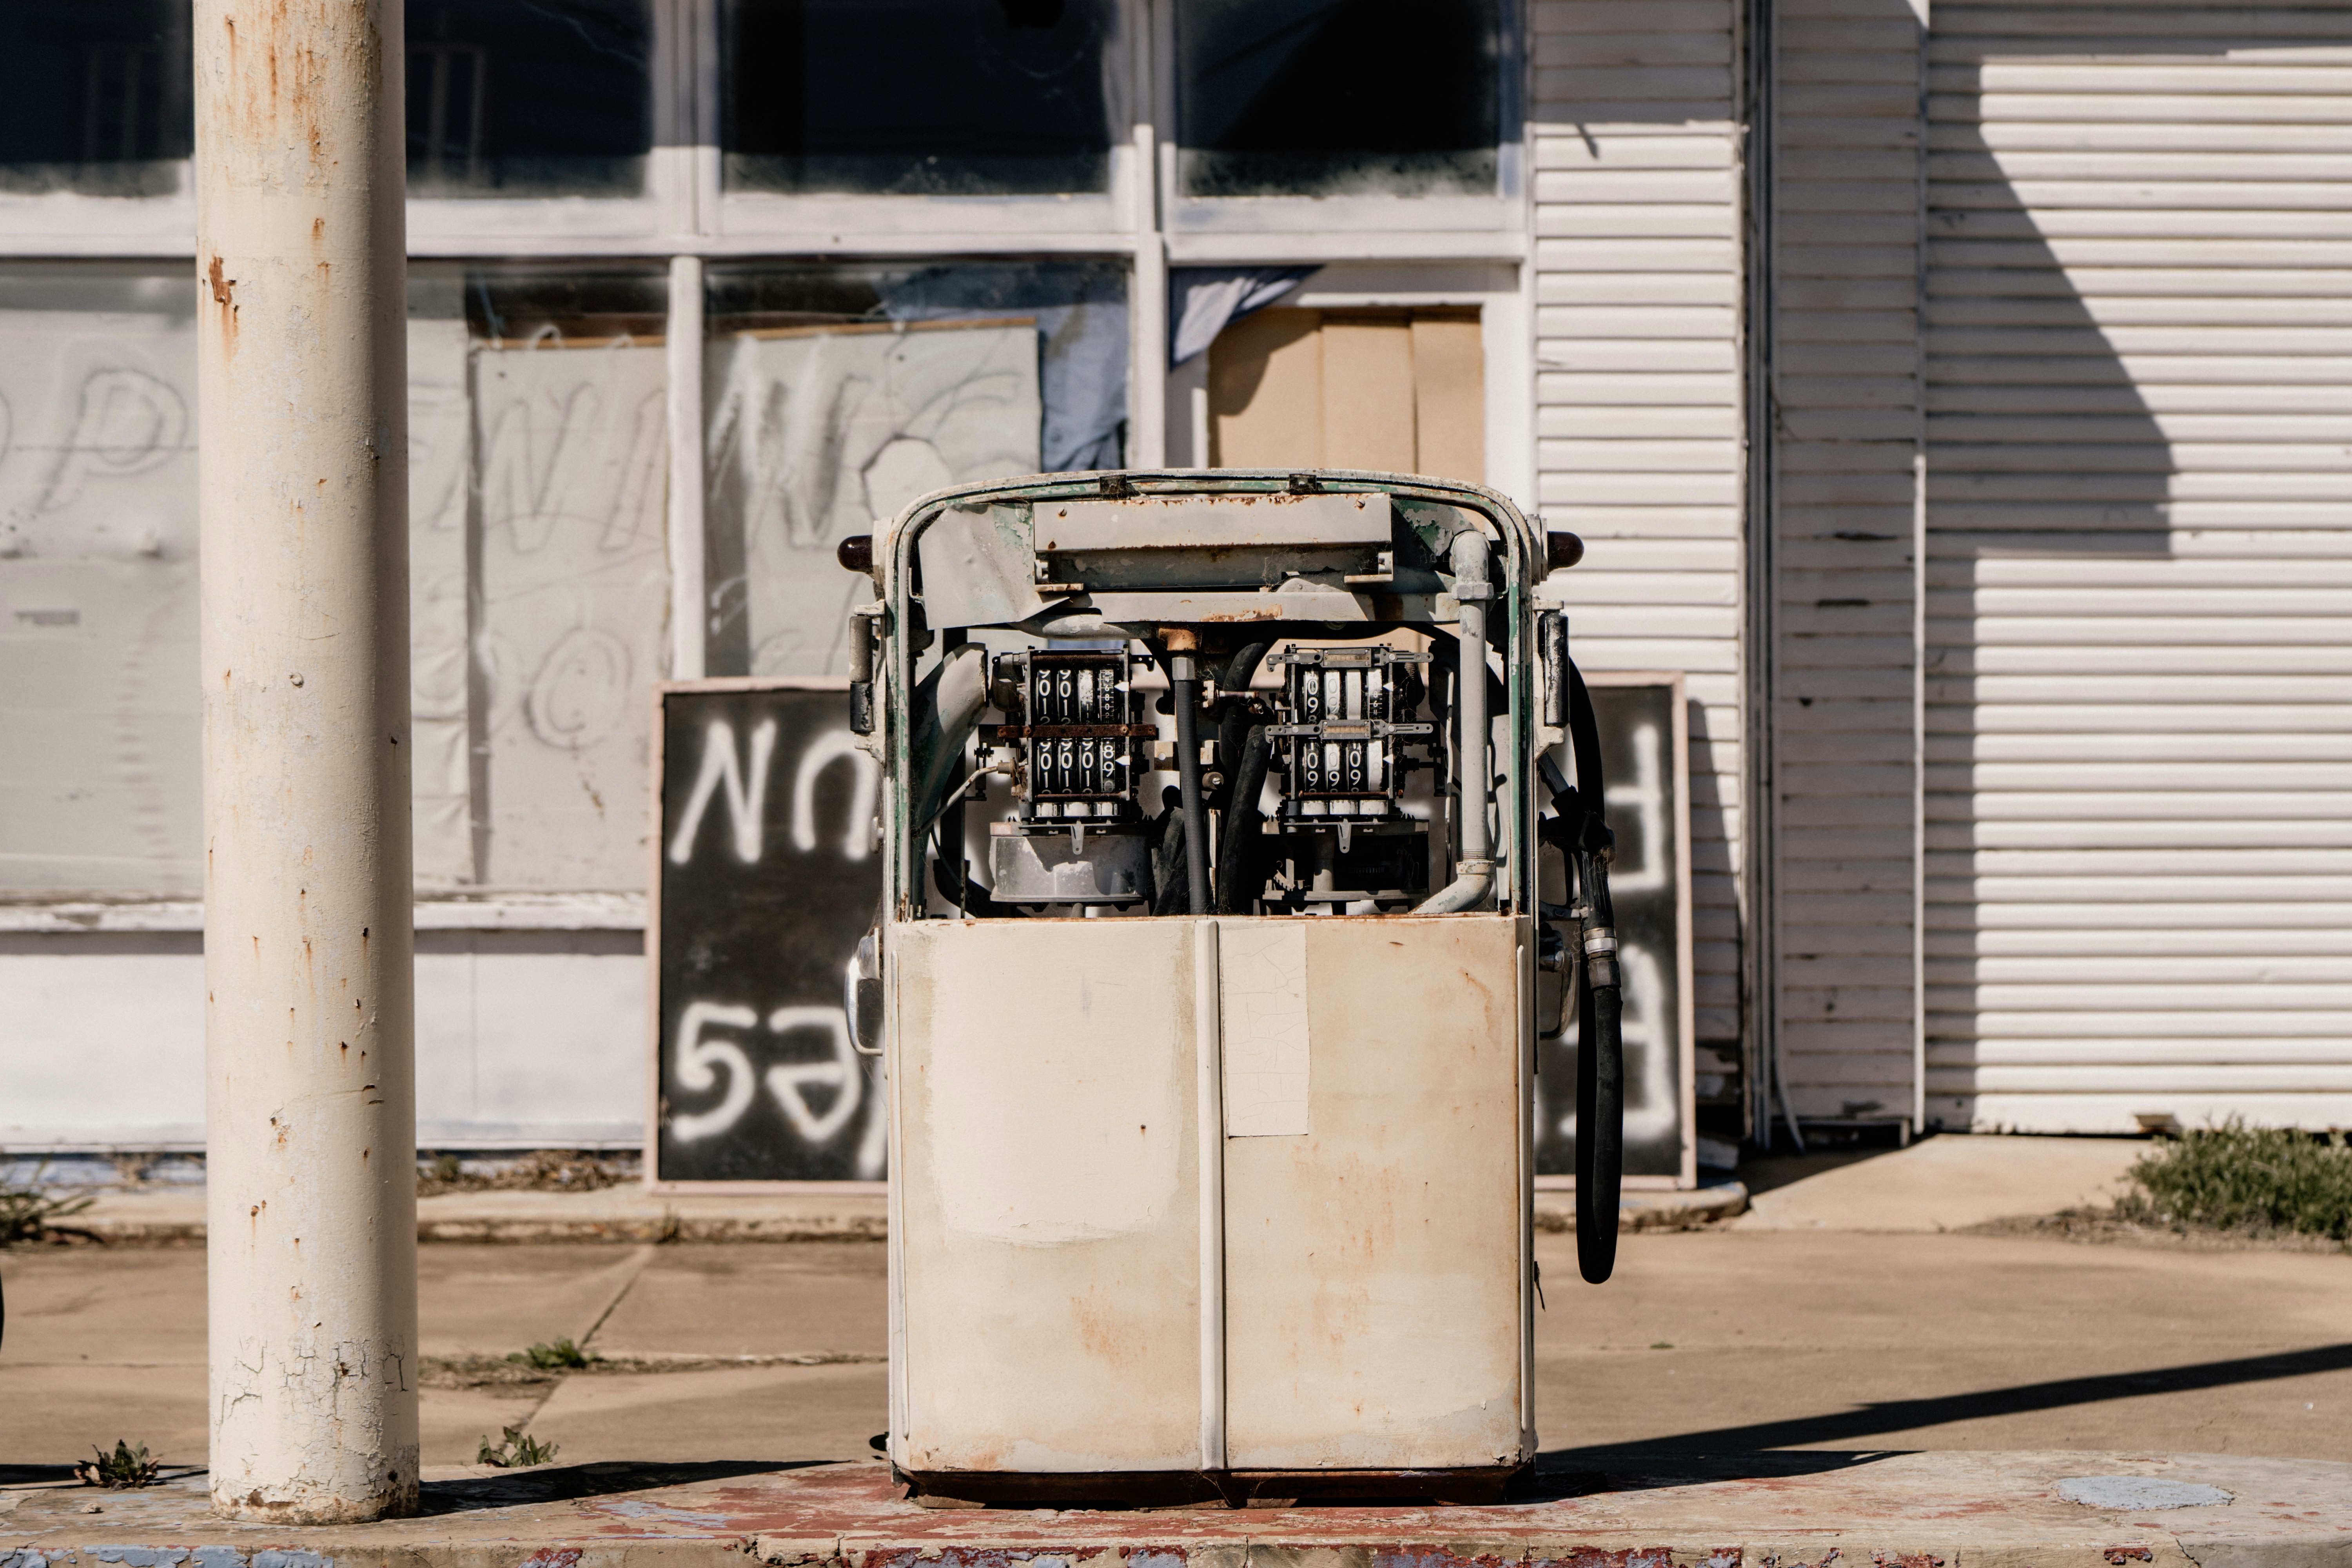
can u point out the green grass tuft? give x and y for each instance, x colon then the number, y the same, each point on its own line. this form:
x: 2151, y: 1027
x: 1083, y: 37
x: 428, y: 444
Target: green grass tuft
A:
x: 515, y: 1451
x: 27, y: 1213
x: 563, y: 1356
x: 2235, y: 1177
x: 126, y: 1467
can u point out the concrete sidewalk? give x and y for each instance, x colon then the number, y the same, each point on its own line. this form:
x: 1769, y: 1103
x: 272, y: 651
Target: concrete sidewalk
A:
x: 1705, y: 1341
x: 1945, y: 1183
x: 1602, y: 1511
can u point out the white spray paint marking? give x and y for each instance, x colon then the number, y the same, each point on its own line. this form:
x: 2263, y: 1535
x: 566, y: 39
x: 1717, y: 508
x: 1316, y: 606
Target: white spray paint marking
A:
x: 1646, y: 795
x: 697, y: 1063
x: 746, y: 801
x: 823, y: 752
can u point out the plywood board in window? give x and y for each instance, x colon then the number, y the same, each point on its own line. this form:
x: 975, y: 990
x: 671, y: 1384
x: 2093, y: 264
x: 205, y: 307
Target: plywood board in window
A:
x: 1449, y: 397
x: 1368, y: 392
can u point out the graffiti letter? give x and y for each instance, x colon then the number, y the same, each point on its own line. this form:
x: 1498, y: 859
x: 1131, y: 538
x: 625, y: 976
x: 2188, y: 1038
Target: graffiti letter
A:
x: 129, y: 422
x: 745, y: 804
x: 839, y: 1074
x: 1647, y: 795
x: 697, y: 1060
x: 821, y: 753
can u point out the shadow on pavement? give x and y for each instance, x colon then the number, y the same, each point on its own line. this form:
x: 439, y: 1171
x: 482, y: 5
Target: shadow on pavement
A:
x: 563, y: 1483
x: 1583, y: 1472
x: 1910, y: 1415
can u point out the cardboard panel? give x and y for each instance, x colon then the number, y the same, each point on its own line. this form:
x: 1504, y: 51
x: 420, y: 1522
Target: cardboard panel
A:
x: 572, y: 592
x: 1265, y: 392
x: 814, y: 435
x: 1368, y: 392
x: 1449, y: 397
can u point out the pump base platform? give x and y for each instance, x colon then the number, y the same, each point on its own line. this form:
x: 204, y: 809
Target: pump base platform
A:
x: 1788, y: 1509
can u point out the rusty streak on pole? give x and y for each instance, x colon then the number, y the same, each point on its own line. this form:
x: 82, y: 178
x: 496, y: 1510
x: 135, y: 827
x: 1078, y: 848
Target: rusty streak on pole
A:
x: 311, y: 1121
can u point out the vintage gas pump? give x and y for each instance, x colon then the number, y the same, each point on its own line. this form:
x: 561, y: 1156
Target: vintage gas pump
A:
x: 1208, y: 975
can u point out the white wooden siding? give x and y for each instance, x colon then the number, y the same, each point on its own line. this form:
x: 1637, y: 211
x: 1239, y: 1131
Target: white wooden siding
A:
x: 2140, y: 339
x: 1637, y: 282
x: 1845, y: 357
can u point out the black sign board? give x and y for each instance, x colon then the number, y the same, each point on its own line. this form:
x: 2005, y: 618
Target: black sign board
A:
x: 1645, y: 761
x: 766, y: 874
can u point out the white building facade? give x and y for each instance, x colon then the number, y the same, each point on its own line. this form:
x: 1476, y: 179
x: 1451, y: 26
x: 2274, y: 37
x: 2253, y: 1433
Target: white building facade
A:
x: 1962, y: 399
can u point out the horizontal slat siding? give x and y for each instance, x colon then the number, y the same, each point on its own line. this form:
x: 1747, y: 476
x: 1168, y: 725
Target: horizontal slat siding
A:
x: 1847, y: 395
x: 1638, y: 422
x: 2139, y: 723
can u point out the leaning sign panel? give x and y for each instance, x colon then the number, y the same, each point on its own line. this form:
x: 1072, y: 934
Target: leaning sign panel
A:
x: 1645, y: 758
x: 765, y: 874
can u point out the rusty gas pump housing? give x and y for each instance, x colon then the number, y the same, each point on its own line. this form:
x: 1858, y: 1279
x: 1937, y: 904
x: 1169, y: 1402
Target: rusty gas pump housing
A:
x: 1210, y: 1009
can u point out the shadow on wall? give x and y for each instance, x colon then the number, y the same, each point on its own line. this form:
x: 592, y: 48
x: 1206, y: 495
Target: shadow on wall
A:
x: 2050, y: 492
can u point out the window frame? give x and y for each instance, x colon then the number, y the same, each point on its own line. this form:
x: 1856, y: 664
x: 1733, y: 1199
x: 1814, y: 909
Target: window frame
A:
x: 1247, y: 229
x: 1473, y: 250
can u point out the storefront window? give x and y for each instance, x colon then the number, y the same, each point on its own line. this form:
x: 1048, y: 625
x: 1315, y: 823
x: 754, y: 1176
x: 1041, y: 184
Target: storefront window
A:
x: 950, y: 98
x: 537, y: 589
x: 524, y: 98
x: 1329, y: 98
x: 98, y: 580
x: 95, y: 97
x: 834, y: 395
x: 539, y: 578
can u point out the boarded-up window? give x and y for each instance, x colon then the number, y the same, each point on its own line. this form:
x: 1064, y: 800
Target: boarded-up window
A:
x: 1396, y: 391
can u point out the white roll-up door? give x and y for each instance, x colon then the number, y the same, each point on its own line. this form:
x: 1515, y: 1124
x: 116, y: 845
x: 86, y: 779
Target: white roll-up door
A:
x: 2139, y: 704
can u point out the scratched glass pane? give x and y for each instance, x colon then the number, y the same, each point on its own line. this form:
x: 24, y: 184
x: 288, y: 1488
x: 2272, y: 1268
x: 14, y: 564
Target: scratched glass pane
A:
x: 530, y: 97
x: 100, y: 789
x: 95, y: 97
x: 1326, y: 98
x: 570, y: 590
x: 947, y: 98
x: 834, y: 395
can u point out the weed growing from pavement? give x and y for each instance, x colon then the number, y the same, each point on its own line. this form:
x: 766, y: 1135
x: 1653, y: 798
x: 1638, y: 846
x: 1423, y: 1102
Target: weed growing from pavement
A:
x: 2235, y: 1177
x: 515, y: 1452
x: 126, y: 1467
x: 29, y: 1212
x: 541, y: 1171
x: 562, y: 1355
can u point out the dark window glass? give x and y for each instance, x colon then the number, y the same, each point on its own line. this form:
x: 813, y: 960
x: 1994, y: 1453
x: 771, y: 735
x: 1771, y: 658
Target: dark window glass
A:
x: 955, y: 98
x: 1337, y: 97
x: 528, y: 98
x: 94, y: 96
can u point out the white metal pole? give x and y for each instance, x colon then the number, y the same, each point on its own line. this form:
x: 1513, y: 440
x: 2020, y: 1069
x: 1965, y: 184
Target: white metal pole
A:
x: 310, y: 1119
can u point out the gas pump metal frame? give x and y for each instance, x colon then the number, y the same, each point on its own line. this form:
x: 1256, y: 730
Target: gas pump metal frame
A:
x: 983, y: 1235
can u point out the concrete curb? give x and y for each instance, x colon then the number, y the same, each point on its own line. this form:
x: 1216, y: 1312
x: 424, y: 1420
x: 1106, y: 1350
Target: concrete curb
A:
x: 1556, y: 1210
x: 630, y: 1215
x: 1584, y: 1509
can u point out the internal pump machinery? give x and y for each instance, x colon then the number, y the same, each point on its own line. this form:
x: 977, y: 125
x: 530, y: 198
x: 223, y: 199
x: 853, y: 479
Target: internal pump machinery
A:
x: 1217, y: 938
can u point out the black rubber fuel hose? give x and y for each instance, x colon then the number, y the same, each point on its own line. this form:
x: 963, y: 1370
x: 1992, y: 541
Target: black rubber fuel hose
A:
x: 1600, y: 1008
